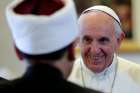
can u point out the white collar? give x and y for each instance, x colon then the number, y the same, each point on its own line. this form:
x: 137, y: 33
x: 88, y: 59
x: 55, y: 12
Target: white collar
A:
x: 107, y: 70
x: 104, y: 81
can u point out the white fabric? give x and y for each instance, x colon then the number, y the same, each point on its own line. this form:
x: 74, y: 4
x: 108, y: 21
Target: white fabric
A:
x: 105, y: 9
x: 127, y: 78
x: 35, y: 34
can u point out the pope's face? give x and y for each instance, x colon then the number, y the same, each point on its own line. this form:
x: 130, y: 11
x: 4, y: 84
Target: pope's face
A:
x: 97, y: 40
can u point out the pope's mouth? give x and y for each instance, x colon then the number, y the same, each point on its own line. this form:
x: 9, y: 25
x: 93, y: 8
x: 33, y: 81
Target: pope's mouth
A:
x: 96, y: 63
x: 96, y: 60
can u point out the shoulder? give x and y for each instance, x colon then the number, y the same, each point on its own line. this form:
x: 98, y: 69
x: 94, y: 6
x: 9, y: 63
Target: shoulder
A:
x: 3, y: 79
x: 124, y: 64
x: 129, y: 69
x: 77, y: 65
x: 77, y: 89
x: 76, y: 71
x: 5, y: 85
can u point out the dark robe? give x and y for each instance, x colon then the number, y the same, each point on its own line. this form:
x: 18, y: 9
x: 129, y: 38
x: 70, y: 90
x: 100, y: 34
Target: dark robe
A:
x: 42, y: 79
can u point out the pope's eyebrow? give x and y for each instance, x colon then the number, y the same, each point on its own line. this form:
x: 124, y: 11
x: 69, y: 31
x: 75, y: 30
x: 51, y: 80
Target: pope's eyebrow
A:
x: 104, y: 39
x: 87, y: 38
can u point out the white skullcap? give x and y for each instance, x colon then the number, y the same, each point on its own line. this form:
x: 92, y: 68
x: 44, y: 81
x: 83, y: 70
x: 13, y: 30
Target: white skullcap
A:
x: 42, y: 34
x: 105, y: 9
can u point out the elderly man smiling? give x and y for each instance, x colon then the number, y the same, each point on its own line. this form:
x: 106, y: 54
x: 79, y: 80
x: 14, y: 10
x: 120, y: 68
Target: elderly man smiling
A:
x: 99, y: 67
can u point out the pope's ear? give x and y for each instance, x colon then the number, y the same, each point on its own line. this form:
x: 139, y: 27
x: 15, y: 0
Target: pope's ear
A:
x: 18, y: 53
x: 121, y: 38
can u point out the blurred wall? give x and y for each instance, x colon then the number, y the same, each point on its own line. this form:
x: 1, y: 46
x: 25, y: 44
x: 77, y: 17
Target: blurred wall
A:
x: 10, y: 67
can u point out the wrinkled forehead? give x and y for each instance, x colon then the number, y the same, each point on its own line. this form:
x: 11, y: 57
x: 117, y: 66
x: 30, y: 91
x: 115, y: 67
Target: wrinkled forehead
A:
x: 95, y: 20
x: 104, y: 9
x: 95, y: 16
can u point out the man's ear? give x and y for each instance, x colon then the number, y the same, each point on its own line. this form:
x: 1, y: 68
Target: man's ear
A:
x: 20, y: 57
x: 71, y: 52
x: 121, y: 38
x: 73, y: 49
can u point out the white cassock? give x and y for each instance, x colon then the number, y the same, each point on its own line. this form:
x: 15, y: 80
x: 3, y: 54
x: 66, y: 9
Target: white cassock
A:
x: 122, y: 76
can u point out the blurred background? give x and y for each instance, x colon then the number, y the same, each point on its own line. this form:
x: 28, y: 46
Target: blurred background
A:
x: 128, y: 11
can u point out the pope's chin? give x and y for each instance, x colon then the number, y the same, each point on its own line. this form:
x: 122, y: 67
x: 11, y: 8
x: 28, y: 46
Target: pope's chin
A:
x: 96, y: 68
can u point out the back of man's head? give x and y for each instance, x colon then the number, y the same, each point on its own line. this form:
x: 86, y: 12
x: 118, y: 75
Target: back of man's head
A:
x: 42, y: 28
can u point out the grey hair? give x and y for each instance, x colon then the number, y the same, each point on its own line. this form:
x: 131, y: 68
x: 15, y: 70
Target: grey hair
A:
x: 118, y: 29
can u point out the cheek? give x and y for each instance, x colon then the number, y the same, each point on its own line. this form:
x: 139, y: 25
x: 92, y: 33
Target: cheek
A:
x: 115, y: 45
x: 109, y: 54
x: 110, y: 49
x: 84, y: 50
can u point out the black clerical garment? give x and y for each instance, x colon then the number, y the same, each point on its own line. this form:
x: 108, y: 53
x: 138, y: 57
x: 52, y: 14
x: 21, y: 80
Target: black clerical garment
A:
x: 42, y: 78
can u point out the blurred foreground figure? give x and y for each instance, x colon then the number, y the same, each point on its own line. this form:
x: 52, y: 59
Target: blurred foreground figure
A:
x: 44, y: 32
x: 99, y: 67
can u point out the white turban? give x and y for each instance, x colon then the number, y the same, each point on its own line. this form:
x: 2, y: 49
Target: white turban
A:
x: 42, y: 34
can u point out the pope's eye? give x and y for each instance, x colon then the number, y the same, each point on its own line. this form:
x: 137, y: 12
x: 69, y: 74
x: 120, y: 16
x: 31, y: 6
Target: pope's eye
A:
x: 104, y: 40
x: 86, y: 40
